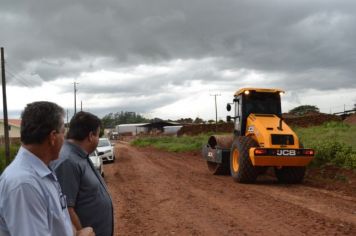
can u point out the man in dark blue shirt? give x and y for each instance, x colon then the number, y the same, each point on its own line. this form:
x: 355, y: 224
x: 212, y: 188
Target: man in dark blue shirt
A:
x: 88, y: 199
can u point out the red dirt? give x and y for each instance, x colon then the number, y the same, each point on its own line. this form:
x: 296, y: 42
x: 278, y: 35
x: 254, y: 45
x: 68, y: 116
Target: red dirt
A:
x: 161, y: 193
x: 351, y: 119
x: 311, y: 119
x: 195, y: 129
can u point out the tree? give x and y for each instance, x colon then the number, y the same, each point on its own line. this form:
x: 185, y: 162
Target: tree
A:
x: 108, y: 121
x: 211, y: 121
x: 221, y: 121
x: 198, y: 121
x: 124, y: 117
x: 185, y: 121
x: 301, y: 110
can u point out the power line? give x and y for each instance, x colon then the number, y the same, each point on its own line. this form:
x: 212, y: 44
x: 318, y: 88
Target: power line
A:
x: 18, y: 79
x: 23, y: 78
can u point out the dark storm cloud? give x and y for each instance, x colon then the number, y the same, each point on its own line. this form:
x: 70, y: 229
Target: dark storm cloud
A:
x: 300, y: 44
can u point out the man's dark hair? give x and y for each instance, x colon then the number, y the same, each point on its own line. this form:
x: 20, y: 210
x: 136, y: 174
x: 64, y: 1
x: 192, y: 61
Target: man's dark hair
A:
x: 82, y: 124
x: 38, y: 120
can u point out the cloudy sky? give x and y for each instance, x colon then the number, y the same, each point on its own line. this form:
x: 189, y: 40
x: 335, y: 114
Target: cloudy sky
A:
x: 167, y: 58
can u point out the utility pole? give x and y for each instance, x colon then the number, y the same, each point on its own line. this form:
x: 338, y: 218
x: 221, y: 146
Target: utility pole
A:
x: 81, y: 105
x: 67, y: 116
x: 216, y: 111
x: 6, y: 122
x: 75, y: 97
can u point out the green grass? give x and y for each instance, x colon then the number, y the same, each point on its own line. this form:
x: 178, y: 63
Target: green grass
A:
x: 335, y: 131
x: 334, y: 143
x: 174, y: 144
x: 13, y: 151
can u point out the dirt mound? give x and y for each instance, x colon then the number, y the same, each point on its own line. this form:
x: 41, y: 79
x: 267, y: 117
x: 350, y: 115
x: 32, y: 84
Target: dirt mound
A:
x: 351, y: 119
x: 205, y: 128
x: 311, y: 119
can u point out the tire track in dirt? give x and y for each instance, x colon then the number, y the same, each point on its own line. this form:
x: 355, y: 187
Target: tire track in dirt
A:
x: 324, y: 202
x: 281, y: 194
x: 159, y: 193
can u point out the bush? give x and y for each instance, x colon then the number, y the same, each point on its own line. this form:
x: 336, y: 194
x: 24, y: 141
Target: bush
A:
x: 334, y: 143
x: 350, y: 161
x: 13, y: 151
x: 301, y: 110
x: 334, y: 152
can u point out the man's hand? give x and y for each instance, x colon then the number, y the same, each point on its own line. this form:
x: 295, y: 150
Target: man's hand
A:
x: 87, y: 231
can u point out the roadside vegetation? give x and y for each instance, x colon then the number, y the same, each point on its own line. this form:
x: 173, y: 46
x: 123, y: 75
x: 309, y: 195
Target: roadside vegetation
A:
x: 174, y: 144
x: 13, y: 151
x: 334, y: 143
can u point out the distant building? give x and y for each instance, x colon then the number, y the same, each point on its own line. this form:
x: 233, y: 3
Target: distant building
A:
x: 14, y: 131
x: 171, y: 130
x: 131, y: 129
x: 158, y: 127
x: 14, y: 128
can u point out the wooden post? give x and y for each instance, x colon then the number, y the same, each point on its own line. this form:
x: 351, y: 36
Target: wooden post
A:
x: 6, y: 122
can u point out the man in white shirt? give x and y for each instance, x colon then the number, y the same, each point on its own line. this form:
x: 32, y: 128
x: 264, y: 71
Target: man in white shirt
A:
x: 31, y: 201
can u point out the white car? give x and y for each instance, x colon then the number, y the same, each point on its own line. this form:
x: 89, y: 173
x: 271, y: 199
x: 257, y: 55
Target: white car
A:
x: 106, y: 150
x: 97, y: 162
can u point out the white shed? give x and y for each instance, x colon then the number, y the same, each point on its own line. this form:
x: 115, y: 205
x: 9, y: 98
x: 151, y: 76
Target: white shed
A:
x: 134, y: 129
x: 172, y: 129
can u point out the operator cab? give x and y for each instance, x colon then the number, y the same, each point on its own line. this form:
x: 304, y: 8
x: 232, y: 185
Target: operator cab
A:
x: 256, y: 101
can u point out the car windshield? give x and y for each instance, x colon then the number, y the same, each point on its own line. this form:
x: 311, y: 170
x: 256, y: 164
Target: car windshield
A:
x: 103, y: 143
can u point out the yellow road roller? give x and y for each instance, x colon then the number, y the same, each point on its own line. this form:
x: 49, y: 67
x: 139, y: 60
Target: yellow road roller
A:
x: 261, y: 139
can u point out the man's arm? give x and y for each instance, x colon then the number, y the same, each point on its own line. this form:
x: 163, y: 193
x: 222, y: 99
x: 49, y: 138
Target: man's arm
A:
x: 74, y: 218
x: 69, y: 178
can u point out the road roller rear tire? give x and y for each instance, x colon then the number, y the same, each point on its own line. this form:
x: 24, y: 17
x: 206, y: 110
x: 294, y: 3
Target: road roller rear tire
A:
x: 241, y: 167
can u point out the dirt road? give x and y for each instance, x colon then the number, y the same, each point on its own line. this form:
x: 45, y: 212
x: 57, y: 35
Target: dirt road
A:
x: 160, y: 193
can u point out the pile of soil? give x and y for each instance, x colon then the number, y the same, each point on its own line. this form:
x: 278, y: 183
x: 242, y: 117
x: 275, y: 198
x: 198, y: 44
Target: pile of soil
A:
x: 312, y: 119
x: 351, y: 120
x: 332, y: 178
x: 196, y: 129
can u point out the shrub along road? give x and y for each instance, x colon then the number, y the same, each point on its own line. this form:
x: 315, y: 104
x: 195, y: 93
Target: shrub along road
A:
x: 161, y: 193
